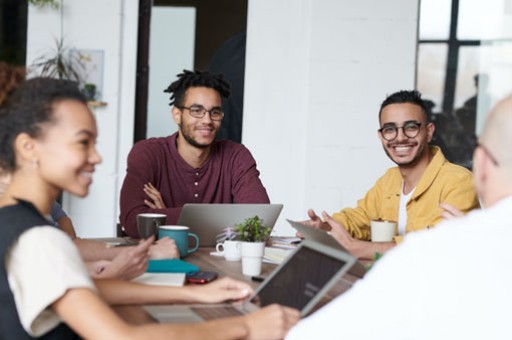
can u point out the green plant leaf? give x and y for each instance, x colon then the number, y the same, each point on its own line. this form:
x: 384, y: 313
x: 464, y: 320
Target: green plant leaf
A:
x: 253, y: 230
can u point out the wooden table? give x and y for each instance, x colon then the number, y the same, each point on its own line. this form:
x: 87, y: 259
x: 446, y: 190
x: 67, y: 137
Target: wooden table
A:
x: 207, y: 262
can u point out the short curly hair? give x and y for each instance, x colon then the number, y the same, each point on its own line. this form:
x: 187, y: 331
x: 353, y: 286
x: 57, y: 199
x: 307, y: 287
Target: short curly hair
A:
x: 10, y: 78
x: 196, y: 79
x: 404, y: 96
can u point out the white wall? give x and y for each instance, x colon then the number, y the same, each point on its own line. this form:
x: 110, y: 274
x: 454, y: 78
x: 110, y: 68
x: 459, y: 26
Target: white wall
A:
x: 171, y: 49
x: 109, y: 25
x: 316, y: 73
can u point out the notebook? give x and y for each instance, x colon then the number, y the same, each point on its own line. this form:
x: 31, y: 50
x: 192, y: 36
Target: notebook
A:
x: 321, y: 236
x: 171, y: 266
x: 209, y: 220
x: 299, y: 282
x: 161, y: 279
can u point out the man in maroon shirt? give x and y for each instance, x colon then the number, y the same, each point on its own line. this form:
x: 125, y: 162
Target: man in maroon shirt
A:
x: 189, y: 166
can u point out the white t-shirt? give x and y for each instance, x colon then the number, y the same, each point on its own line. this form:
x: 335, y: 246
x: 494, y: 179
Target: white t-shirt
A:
x: 402, y: 210
x: 41, y: 267
x: 452, y: 282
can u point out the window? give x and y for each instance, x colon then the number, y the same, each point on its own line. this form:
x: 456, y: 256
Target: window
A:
x: 463, y: 59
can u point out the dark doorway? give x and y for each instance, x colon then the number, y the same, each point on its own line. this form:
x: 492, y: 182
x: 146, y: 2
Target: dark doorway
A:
x: 13, y: 31
x: 216, y: 23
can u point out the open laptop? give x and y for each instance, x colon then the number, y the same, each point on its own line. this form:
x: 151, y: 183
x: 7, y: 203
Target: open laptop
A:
x: 299, y: 282
x: 209, y: 220
x: 321, y: 236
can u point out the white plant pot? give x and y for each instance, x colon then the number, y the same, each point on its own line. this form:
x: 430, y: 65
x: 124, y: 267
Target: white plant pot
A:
x: 252, y: 256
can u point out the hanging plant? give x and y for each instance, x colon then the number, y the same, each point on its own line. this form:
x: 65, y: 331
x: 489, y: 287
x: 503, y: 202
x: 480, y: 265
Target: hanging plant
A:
x: 60, y: 63
x: 42, y: 3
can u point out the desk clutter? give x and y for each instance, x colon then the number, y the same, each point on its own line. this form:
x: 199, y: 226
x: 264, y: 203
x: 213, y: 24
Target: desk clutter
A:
x: 276, y: 255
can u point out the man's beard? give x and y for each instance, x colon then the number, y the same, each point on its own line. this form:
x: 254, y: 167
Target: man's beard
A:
x: 408, y: 164
x: 191, y: 140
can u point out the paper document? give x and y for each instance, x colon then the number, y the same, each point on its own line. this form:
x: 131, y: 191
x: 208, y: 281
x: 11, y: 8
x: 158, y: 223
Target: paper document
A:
x: 276, y: 255
x: 161, y: 279
x: 285, y: 242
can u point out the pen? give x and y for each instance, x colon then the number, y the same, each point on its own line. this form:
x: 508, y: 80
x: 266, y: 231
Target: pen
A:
x: 296, y: 242
x: 257, y: 278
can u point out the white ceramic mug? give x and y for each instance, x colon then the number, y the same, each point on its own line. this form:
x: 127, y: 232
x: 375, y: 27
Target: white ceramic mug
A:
x: 230, y: 249
x: 383, y: 231
x: 252, y: 256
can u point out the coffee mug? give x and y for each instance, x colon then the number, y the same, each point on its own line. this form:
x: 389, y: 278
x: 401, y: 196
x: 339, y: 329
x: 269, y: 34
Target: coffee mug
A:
x: 180, y: 235
x: 230, y: 249
x: 383, y: 231
x: 148, y: 223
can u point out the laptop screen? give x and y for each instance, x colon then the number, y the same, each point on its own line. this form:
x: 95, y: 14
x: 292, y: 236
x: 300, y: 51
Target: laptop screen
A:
x: 299, y: 280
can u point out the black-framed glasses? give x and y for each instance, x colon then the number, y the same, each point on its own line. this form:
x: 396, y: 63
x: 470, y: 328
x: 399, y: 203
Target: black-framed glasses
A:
x: 198, y: 111
x: 488, y: 153
x: 410, y: 130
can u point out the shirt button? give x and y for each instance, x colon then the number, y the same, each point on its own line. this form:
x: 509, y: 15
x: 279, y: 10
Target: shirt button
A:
x: 195, y: 183
x: 196, y: 195
x: 197, y: 173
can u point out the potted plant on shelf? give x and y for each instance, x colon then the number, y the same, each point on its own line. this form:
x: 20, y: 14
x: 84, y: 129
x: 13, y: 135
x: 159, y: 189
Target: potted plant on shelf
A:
x: 254, y: 234
x: 89, y: 91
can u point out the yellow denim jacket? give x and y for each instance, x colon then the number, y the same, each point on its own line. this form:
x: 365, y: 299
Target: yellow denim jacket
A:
x: 442, y: 182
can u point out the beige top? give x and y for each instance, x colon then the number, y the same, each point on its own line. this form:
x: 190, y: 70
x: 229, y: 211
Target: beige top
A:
x: 41, y: 267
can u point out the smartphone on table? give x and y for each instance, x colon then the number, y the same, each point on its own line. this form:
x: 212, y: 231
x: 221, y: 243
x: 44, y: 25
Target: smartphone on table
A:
x: 201, y: 277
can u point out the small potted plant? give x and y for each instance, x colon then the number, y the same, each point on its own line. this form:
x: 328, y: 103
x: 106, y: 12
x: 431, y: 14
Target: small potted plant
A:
x: 253, y: 233
x: 253, y: 230
x: 89, y: 91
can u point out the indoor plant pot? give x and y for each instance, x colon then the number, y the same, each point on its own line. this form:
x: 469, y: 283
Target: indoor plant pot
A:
x: 253, y: 234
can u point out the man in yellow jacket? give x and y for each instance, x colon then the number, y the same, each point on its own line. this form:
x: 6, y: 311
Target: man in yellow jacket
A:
x: 413, y: 193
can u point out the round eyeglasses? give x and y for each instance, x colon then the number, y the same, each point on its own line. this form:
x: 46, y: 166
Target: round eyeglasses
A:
x: 200, y: 112
x: 410, y: 130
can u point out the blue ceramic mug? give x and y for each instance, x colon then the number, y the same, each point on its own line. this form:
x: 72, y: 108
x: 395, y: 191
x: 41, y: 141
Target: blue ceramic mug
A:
x: 180, y: 234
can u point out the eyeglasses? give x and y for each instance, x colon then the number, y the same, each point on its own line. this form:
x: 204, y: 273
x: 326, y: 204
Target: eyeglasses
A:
x: 488, y: 153
x: 410, y: 130
x: 199, y: 112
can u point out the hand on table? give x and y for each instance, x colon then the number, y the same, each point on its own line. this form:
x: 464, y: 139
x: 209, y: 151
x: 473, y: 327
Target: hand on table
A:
x: 221, y: 290
x: 153, y: 193
x: 450, y: 212
x: 164, y: 248
x: 271, y: 322
x: 129, y: 263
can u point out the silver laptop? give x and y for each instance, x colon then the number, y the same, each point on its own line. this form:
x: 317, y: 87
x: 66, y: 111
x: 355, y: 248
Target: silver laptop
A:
x: 299, y: 282
x: 209, y: 220
x: 321, y: 236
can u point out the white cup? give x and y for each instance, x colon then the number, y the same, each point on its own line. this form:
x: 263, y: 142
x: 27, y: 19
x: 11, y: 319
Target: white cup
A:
x: 252, y: 256
x: 383, y: 231
x: 230, y: 249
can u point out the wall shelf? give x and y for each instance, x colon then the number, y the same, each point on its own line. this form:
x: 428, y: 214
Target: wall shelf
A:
x: 94, y: 104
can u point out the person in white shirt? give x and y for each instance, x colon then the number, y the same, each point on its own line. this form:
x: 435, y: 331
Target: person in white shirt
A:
x: 453, y: 282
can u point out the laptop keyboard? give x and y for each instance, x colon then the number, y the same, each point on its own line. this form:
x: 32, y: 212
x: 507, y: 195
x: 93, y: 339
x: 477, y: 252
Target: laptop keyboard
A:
x: 211, y: 313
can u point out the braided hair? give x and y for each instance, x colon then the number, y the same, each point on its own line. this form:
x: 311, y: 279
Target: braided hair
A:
x: 196, y: 79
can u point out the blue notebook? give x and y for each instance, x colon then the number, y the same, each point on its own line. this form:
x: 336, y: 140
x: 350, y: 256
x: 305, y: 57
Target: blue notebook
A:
x: 171, y: 266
